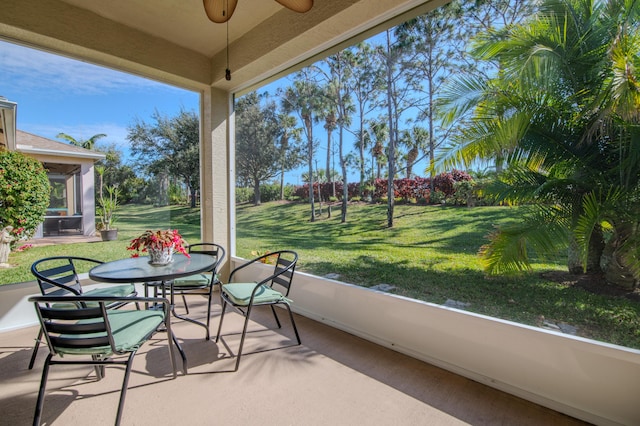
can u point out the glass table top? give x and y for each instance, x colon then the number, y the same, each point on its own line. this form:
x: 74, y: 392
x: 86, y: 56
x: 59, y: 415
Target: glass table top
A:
x: 138, y: 269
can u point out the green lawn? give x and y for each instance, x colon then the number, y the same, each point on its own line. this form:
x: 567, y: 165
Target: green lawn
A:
x: 429, y: 254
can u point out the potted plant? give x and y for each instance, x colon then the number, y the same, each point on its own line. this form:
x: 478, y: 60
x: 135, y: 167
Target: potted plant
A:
x: 107, y: 207
x: 159, y: 244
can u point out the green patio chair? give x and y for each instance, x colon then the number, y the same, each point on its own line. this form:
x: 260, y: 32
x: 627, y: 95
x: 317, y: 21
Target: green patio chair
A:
x: 89, y: 329
x: 244, y: 296
x: 57, y: 276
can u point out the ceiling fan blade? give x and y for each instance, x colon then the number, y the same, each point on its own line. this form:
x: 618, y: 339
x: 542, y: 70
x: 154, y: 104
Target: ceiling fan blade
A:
x: 297, y: 5
x: 219, y: 11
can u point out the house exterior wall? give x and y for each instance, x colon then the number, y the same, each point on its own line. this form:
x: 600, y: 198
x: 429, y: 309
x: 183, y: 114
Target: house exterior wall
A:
x: 87, y: 188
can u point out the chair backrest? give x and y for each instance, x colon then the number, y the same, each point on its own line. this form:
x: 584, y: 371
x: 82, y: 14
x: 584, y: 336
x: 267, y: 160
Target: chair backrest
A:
x: 58, y: 276
x: 74, y: 330
x: 285, y: 266
x: 212, y: 249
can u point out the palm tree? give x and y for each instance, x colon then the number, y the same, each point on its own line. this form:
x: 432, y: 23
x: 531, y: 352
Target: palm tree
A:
x: 414, y: 140
x: 83, y: 143
x: 564, y: 106
x: 289, y: 146
x: 339, y: 91
x: 303, y: 97
x: 379, y: 134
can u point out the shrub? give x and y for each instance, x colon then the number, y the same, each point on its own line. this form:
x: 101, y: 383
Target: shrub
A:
x: 410, y: 191
x: 269, y: 192
x: 24, y: 193
x: 438, y: 197
x: 464, y: 193
x: 244, y: 195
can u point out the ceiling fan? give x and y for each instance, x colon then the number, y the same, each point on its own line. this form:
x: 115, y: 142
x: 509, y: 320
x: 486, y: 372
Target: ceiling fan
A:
x: 220, y: 11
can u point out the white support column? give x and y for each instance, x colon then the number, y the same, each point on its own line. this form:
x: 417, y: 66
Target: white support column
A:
x: 216, y: 168
x: 88, y: 198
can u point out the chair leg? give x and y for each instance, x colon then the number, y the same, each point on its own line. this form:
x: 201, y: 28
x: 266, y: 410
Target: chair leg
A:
x: 43, y: 383
x: 123, y: 391
x: 224, y: 308
x: 186, y: 307
x: 209, y: 306
x: 244, y: 333
x: 98, y: 367
x: 293, y: 323
x: 275, y: 316
x: 170, y: 345
x: 35, y: 349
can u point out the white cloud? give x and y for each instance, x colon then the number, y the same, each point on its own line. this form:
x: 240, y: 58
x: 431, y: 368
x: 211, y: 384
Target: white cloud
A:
x: 37, y: 70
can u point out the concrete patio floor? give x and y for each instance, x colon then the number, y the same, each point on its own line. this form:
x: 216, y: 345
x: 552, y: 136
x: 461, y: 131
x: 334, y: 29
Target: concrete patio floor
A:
x: 333, y: 378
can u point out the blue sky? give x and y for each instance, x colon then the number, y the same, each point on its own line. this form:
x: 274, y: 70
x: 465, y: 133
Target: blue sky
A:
x: 56, y: 94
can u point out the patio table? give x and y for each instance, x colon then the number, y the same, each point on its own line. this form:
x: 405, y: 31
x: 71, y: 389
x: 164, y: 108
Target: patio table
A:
x: 139, y: 270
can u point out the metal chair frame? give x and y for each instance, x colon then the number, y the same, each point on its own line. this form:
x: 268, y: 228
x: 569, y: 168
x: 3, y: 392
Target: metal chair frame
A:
x: 211, y: 249
x: 282, y: 275
x: 85, y: 328
x: 60, y: 280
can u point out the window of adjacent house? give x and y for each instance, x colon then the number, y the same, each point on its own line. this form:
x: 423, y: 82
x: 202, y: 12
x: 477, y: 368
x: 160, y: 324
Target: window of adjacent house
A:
x: 57, y: 196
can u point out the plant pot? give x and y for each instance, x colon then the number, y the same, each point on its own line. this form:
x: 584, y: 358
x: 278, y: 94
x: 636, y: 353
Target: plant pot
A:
x: 160, y: 257
x: 109, y: 234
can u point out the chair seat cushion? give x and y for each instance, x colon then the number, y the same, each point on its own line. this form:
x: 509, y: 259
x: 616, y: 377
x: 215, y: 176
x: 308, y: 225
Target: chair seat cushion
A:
x: 130, y: 329
x: 112, y: 290
x: 196, y: 280
x: 240, y: 294
x: 115, y: 290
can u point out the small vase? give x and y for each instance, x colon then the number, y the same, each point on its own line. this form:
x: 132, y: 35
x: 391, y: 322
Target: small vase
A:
x: 162, y: 256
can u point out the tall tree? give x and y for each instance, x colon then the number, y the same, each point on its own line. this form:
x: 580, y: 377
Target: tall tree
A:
x: 304, y: 98
x: 328, y: 113
x: 436, y: 43
x: 339, y: 94
x: 261, y: 152
x: 366, y: 84
x: 111, y: 172
x: 170, y: 146
x: 396, y: 59
x: 289, y: 147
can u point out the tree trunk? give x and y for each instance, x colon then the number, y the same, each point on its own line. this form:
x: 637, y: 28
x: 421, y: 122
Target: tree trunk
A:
x: 309, y: 126
x: 361, y: 153
x: 345, y: 186
x: 391, y: 155
x: 282, y: 185
x: 256, y: 192
x: 193, y: 197
x: 616, y: 270
x: 574, y: 261
x: 594, y: 255
x: 163, y: 189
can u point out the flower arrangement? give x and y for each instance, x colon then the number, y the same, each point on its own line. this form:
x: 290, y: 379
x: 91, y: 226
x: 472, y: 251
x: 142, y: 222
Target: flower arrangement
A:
x: 158, y: 240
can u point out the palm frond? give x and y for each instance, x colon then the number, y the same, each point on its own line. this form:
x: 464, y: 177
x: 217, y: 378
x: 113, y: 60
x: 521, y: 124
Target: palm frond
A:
x: 544, y: 231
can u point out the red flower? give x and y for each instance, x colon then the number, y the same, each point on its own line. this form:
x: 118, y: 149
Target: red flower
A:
x: 159, y: 239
